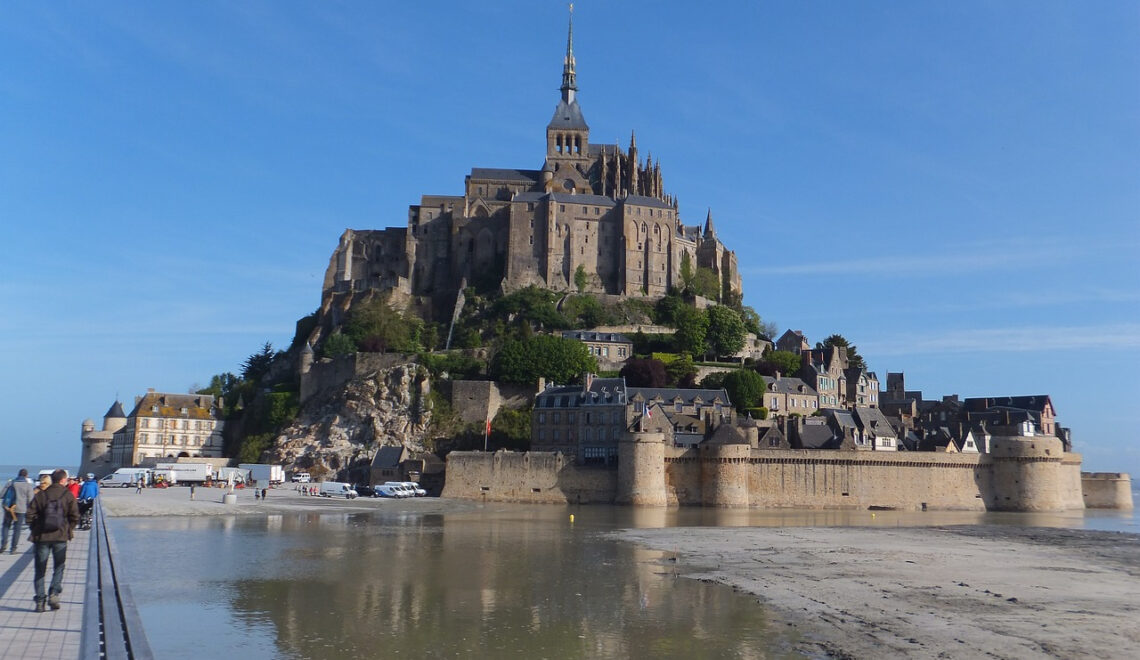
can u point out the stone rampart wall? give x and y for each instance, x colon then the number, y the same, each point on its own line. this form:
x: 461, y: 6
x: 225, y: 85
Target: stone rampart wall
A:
x: 536, y: 477
x: 796, y: 479
x: 838, y: 479
x: 1107, y: 490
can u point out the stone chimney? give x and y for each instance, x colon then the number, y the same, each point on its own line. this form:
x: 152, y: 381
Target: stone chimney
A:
x: 587, y: 381
x: 541, y: 384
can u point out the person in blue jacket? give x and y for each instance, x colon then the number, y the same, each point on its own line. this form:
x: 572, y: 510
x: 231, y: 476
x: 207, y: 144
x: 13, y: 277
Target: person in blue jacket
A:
x: 87, y: 494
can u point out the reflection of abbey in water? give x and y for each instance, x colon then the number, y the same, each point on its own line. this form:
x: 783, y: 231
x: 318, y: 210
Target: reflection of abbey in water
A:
x: 593, y: 209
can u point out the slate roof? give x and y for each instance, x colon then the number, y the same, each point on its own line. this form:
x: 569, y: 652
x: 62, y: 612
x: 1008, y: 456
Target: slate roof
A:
x: 727, y: 434
x: 499, y: 174
x: 641, y: 200
x: 568, y: 115
x: 388, y: 457
x: 603, y: 391
x: 1034, y: 402
x: 671, y: 394
x: 116, y: 410
x: 198, y: 406
x: 873, y: 419
x: 818, y: 437
x: 788, y: 386
x: 589, y: 335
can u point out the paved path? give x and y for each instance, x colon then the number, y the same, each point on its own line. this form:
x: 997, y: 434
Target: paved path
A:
x: 24, y: 634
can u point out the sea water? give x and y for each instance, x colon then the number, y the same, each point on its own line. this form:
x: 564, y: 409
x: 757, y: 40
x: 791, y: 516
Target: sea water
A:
x: 502, y: 581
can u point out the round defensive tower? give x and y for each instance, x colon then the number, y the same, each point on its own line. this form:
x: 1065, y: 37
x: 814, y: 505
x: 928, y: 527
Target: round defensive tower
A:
x: 724, y: 474
x: 96, y: 457
x: 641, y: 469
x: 1027, y: 473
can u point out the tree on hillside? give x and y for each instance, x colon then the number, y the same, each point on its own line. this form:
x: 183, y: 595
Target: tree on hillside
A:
x: 725, y: 335
x: 337, y: 344
x: 223, y: 386
x: 745, y: 387
x: 706, y: 284
x: 692, y: 329
x: 667, y: 308
x: 681, y: 372
x: 687, y: 273
x: 558, y: 360
x: 531, y: 305
x: 853, y: 357
x: 376, y: 327
x: 257, y: 365
x: 581, y: 279
x: 756, y: 325
x: 786, y: 363
x: 644, y: 372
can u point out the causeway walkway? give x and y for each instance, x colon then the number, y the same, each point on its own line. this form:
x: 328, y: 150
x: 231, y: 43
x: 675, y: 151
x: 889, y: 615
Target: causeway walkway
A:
x: 26, y: 635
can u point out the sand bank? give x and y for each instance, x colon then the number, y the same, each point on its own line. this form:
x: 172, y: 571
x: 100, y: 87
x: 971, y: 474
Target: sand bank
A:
x: 208, y: 502
x: 952, y: 592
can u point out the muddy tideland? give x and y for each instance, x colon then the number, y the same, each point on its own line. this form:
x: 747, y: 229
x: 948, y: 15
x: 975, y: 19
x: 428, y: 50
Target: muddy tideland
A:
x: 944, y: 592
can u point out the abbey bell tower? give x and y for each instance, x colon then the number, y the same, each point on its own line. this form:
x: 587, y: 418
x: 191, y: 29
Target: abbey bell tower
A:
x: 567, y: 135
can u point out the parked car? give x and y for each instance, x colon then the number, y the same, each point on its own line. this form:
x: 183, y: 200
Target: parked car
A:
x: 364, y: 490
x: 301, y: 478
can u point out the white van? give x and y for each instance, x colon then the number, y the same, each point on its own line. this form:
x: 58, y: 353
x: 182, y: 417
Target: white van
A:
x: 337, y: 489
x: 387, y: 490
x: 301, y: 478
x: 415, y: 488
x: 403, y: 487
x: 124, y: 477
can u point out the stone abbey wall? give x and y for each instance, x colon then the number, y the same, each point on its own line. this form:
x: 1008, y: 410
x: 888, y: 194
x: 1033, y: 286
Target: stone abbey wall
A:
x: 736, y: 476
x: 1107, y: 490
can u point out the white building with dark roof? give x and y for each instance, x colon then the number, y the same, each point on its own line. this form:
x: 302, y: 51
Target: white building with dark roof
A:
x: 164, y: 425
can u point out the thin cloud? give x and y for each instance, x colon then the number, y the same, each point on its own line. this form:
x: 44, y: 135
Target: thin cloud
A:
x: 1026, y: 339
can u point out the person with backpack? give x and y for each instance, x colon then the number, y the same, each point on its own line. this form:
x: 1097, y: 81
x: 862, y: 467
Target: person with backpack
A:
x: 52, y: 516
x: 17, y: 495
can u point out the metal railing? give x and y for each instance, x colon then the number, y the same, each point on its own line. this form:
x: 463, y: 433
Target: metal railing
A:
x: 112, y: 629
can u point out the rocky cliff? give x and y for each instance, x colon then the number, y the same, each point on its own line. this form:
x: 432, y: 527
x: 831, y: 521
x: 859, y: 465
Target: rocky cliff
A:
x: 380, y: 408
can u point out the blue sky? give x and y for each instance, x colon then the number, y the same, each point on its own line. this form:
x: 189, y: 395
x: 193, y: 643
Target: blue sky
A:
x: 955, y: 187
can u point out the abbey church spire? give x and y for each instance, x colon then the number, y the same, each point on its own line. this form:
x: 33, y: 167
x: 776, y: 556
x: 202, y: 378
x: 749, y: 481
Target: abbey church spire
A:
x: 567, y: 134
x: 569, y: 77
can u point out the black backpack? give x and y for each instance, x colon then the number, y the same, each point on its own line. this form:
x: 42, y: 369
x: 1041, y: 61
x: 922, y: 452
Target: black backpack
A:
x: 53, y: 518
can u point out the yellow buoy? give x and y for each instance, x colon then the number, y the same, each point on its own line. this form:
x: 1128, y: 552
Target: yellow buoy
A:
x: 571, y: 517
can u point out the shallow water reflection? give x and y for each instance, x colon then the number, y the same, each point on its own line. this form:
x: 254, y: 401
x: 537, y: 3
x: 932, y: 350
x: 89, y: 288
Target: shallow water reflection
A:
x: 499, y: 582
x: 493, y: 581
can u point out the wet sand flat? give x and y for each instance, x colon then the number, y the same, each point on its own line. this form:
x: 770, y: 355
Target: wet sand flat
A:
x: 176, y: 501
x: 944, y: 592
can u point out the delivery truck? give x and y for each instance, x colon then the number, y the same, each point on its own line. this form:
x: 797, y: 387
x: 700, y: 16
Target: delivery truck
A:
x: 188, y: 473
x: 264, y: 475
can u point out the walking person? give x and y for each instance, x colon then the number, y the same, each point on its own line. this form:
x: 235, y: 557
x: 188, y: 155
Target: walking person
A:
x: 52, y: 516
x: 16, y: 498
x: 72, y: 485
x: 87, y: 494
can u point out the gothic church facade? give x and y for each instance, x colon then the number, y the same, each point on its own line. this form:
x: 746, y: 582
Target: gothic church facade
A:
x: 592, y: 208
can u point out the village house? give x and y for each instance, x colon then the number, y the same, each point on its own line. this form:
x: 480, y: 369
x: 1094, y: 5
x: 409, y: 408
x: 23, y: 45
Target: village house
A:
x: 587, y: 421
x: 789, y: 396
x: 611, y: 349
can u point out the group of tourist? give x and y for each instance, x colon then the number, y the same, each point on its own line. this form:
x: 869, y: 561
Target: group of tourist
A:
x: 52, y: 511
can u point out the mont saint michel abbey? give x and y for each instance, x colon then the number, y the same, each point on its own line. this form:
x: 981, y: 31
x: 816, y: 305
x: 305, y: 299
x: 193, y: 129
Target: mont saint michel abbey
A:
x: 595, y: 208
